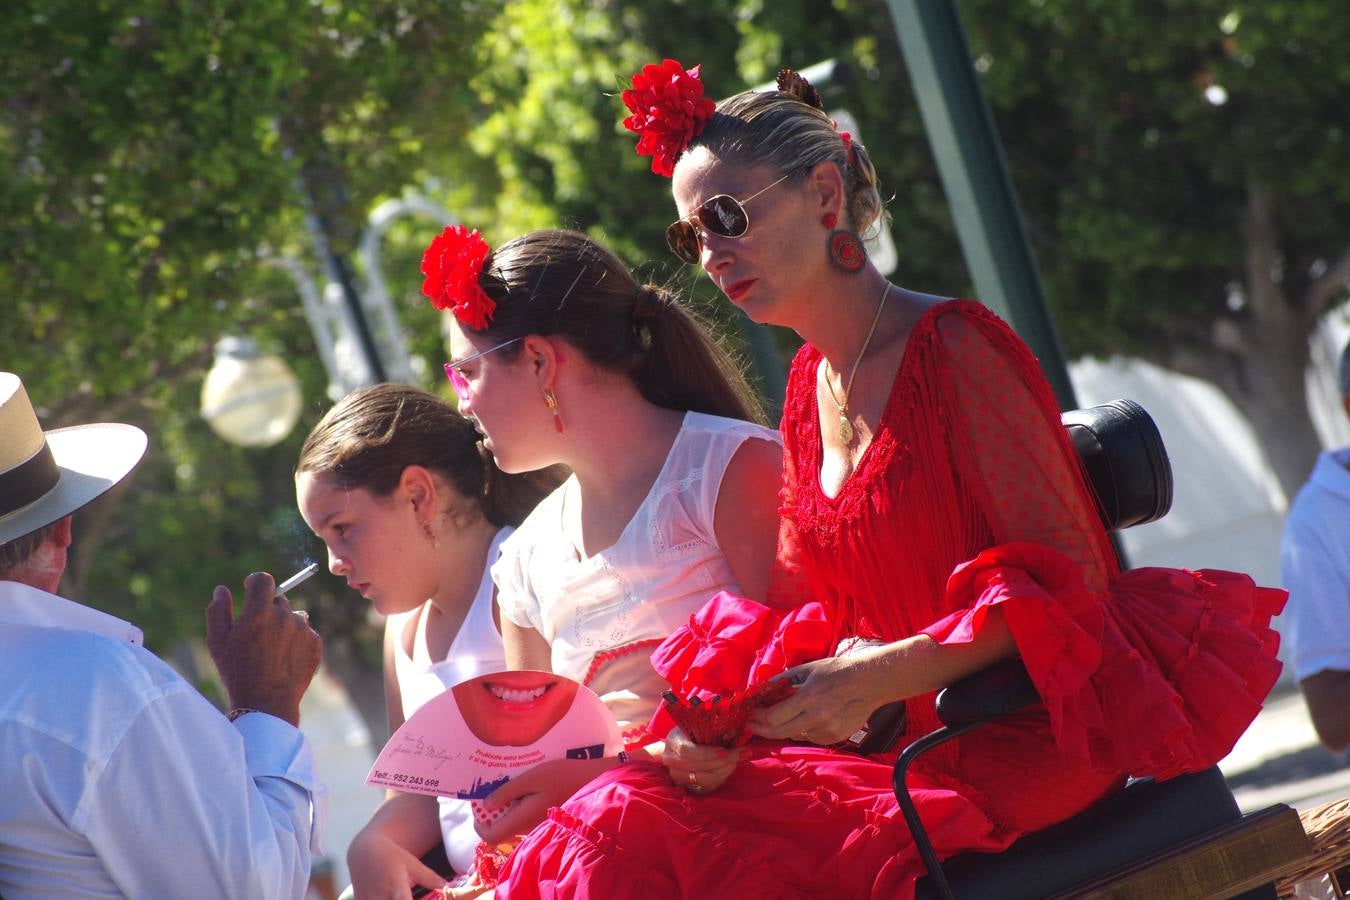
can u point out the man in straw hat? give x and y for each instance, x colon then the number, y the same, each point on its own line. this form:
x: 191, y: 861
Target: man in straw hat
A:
x: 116, y: 777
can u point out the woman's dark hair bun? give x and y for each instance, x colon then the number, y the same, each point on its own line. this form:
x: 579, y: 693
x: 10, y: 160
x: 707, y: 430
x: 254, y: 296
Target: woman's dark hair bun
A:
x: 790, y: 82
x: 650, y: 301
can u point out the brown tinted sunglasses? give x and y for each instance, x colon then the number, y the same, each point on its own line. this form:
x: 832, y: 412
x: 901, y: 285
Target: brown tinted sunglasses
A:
x: 722, y: 215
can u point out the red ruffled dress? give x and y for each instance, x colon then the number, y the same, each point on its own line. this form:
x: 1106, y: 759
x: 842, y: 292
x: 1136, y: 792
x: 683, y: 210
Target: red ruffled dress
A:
x: 969, y: 497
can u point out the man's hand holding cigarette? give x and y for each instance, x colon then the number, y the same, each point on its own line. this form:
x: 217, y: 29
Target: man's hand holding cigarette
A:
x: 268, y: 655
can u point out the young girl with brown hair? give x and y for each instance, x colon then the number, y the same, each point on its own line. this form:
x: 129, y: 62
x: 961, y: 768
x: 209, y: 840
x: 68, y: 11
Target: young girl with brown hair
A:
x: 413, y: 513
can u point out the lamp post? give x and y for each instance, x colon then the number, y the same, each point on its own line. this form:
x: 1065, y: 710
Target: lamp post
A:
x: 250, y: 398
x: 345, y: 345
x: 388, y: 331
x: 253, y: 399
x: 969, y: 158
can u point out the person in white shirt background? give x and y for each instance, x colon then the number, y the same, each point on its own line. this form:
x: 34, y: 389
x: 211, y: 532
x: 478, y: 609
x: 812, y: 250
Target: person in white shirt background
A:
x: 1315, y: 569
x: 119, y: 779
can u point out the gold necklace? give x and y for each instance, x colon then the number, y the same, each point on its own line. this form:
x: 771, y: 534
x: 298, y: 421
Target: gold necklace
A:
x: 845, y: 426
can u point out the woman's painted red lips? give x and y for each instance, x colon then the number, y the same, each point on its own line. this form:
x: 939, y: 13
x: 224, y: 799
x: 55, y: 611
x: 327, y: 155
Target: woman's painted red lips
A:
x: 737, y: 290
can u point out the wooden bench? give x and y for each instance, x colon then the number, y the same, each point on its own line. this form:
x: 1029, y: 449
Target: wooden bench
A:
x: 1239, y: 859
x: 1328, y: 830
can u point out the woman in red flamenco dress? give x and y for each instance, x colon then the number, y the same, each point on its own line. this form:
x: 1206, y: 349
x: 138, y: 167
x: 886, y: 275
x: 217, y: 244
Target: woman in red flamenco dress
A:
x: 935, y: 519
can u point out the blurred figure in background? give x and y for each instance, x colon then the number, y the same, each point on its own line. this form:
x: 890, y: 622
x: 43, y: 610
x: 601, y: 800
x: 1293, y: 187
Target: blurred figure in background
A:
x: 1315, y: 568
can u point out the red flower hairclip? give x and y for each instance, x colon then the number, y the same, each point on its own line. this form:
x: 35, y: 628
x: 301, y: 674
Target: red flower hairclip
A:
x: 669, y: 110
x: 452, y: 265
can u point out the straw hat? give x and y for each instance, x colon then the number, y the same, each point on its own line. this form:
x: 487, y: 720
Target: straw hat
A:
x: 45, y: 476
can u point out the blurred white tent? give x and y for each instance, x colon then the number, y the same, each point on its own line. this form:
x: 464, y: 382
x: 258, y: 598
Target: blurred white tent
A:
x: 1227, y: 508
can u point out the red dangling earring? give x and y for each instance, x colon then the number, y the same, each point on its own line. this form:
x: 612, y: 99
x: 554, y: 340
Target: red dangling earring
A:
x: 847, y: 251
x: 846, y: 248
x: 552, y: 403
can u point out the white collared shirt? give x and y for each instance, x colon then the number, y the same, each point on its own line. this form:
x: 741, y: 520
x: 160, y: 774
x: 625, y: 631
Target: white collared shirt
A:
x: 1315, y: 569
x: 117, y: 779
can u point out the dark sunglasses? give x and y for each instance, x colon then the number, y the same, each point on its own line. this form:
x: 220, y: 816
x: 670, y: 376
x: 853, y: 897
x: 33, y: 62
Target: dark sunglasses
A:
x: 722, y: 215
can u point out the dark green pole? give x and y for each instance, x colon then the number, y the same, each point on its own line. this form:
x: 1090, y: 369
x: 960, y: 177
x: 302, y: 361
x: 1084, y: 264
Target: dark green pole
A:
x: 970, y: 160
x: 983, y: 203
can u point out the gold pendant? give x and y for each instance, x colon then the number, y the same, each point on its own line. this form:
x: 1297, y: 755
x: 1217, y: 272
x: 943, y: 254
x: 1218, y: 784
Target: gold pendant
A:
x: 845, y: 429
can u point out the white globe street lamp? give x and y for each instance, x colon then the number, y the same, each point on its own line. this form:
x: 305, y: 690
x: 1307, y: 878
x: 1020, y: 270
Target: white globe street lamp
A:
x: 250, y: 398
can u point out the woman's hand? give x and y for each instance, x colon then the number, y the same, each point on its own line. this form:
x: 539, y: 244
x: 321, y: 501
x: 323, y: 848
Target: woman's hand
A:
x: 834, y: 698
x: 530, y: 794
x: 380, y: 867
x: 698, y: 768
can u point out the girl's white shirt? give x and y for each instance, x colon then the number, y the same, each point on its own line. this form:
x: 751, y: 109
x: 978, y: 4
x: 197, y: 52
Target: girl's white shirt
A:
x: 664, y: 566
x: 476, y: 650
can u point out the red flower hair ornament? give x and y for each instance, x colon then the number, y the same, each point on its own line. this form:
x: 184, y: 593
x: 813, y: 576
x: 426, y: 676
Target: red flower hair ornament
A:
x: 669, y: 111
x: 452, y: 265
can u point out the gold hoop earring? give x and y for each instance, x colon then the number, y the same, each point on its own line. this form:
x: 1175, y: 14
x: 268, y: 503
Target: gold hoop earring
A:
x: 552, y: 403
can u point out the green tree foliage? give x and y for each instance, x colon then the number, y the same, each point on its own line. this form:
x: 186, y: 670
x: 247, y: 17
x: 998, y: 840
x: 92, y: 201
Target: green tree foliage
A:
x: 1179, y: 164
x: 1182, y: 169
x: 149, y: 159
x: 552, y: 74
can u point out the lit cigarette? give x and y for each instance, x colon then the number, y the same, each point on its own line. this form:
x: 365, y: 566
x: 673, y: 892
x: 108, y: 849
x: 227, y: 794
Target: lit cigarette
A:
x: 298, y: 578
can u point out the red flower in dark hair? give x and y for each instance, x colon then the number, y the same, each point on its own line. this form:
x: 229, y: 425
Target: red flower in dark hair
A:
x: 669, y: 110
x: 452, y: 265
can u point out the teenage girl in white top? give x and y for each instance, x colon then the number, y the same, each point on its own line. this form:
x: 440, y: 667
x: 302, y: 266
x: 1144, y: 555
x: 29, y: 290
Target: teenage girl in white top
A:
x: 413, y: 513
x: 561, y: 357
x: 601, y: 614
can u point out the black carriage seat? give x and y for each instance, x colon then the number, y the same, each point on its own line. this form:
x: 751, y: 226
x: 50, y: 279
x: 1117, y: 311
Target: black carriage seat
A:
x: 1127, y: 464
x: 1125, y: 460
x: 1146, y: 819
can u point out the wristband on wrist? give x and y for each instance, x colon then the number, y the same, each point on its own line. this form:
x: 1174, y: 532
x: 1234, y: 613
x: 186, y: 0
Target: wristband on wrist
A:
x: 240, y: 711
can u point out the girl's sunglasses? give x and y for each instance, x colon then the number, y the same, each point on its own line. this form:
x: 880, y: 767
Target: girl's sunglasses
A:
x: 722, y: 215
x: 457, y: 379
